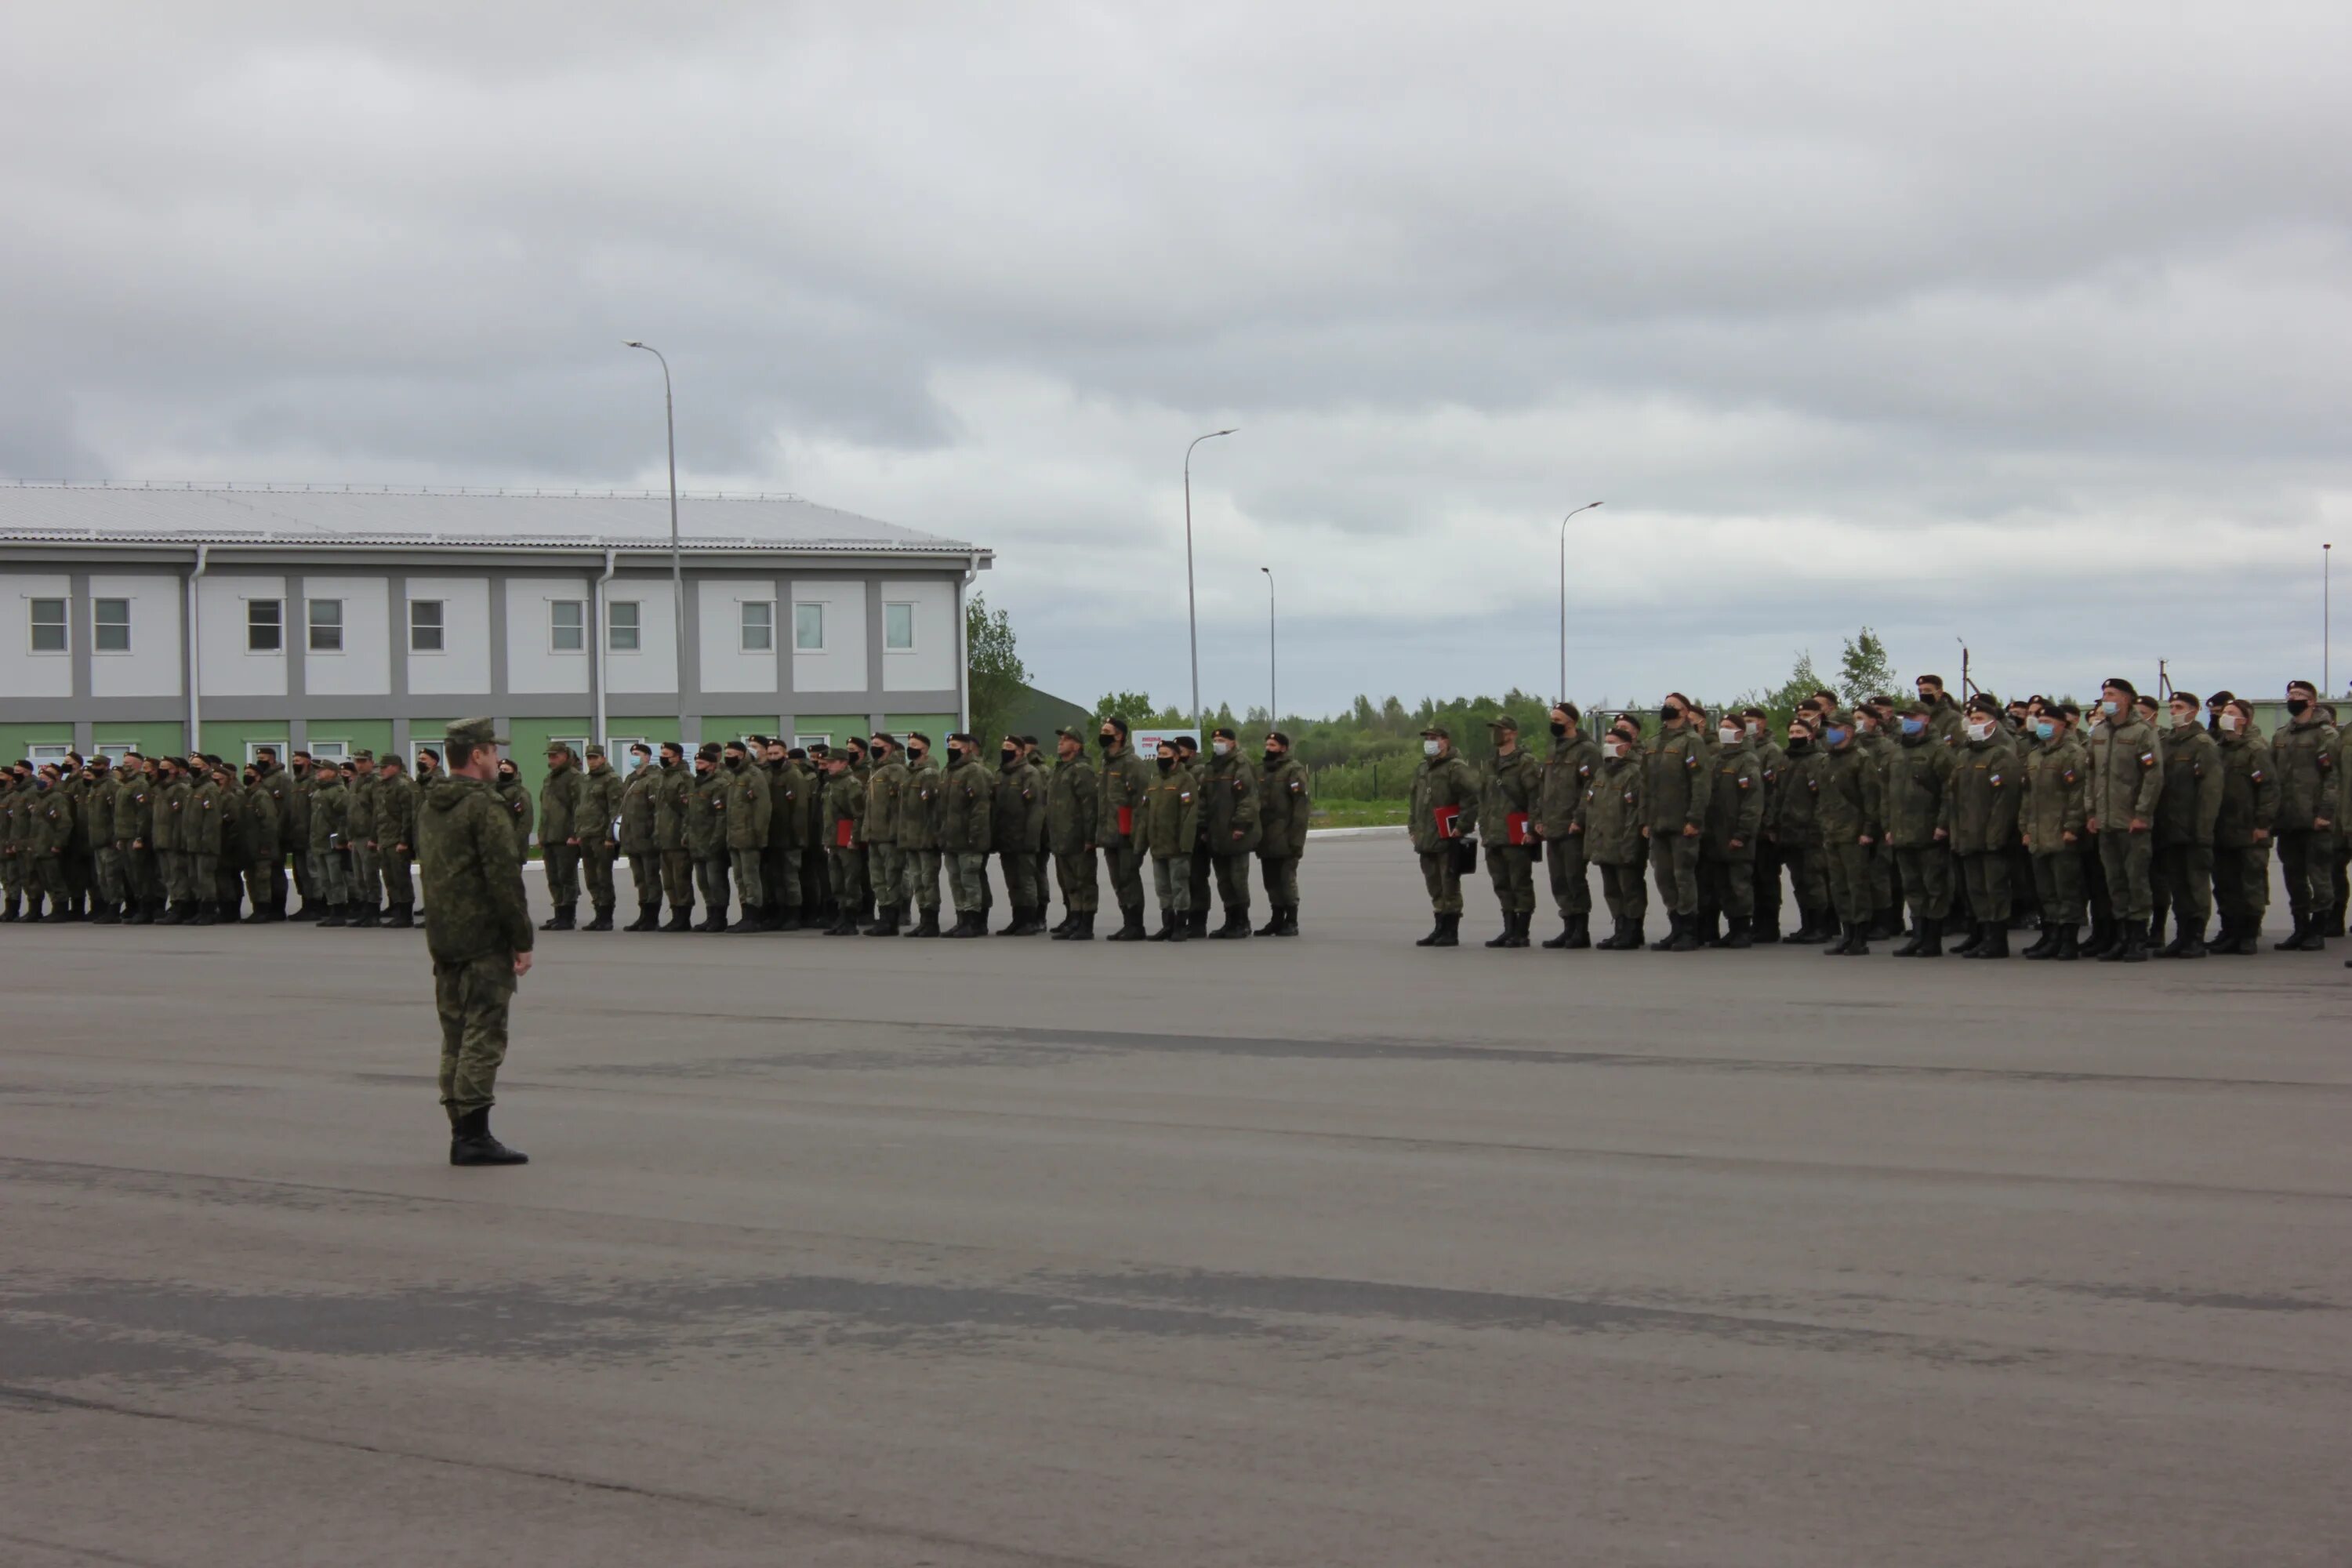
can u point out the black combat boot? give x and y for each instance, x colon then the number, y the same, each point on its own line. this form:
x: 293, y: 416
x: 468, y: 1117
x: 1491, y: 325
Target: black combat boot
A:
x: 2190, y: 944
x: 2314, y: 936
x: 1130, y: 925
x: 2103, y: 939
x: 604, y: 921
x: 1740, y: 935
x: 205, y: 915
x: 104, y: 913
x: 558, y: 919
x: 2128, y: 934
x: 1580, y: 932
x: 2046, y: 943
x: 1976, y: 939
x: 2069, y: 947
x: 1674, y: 930
x: 403, y: 918
x: 1082, y: 927
x: 142, y: 914
x: 471, y: 1142
x: 1289, y: 927
x: 1503, y: 937
x: 681, y: 918
x: 2293, y: 938
x: 331, y: 919
x: 929, y: 925
x: 1235, y: 927
x: 1993, y: 941
x: 1436, y: 929
x: 1273, y: 926
x: 648, y: 919
x: 1448, y: 932
x: 1919, y: 935
x: 1856, y: 944
x: 366, y: 917
x: 1182, y: 929
x: 969, y: 924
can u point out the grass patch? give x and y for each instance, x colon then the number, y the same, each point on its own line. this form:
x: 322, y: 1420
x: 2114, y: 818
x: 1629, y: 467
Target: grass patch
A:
x: 1358, y: 813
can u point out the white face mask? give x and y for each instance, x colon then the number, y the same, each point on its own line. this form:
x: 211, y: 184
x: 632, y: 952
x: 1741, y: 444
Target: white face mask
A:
x: 1730, y: 736
x: 1429, y: 748
x: 1980, y: 732
x: 2111, y: 707
x: 2230, y: 722
x: 1222, y: 748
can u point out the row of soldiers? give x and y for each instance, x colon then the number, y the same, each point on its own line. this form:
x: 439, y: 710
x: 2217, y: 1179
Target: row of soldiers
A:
x: 1977, y: 816
x: 194, y: 840
x: 856, y: 840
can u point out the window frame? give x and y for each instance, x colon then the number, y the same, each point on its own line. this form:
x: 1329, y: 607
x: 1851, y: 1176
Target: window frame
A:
x: 578, y: 629
x: 805, y: 741
x: 34, y: 626
x: 908, y: 606
x: 819, y: 606
x: 49, y: 751
x: 311, y: 626
x: 743, y: 608
x: 635, y: 629
x: 439, y: 628
x: 337, y: 751
x: 285, y: 751
x: 113, y: 749
x: 276, y: 628
x: 99, y: 627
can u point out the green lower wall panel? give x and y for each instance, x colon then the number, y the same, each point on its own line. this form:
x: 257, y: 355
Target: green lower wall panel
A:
x: 935, y: 725
x: 356, y: 734
x: 17, y: 740
x: 230, y: 740
x: 724, y: 727
x: 528, y: 740
x: 835, y: 727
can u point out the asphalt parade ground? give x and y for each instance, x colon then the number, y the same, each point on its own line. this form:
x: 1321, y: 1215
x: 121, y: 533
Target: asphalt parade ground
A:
x: 1324, y: 1251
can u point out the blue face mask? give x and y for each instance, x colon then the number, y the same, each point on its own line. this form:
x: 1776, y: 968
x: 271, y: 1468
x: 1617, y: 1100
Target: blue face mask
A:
x: 1914, y: 726
x: 2043, y: 730
x: 1837, y: 736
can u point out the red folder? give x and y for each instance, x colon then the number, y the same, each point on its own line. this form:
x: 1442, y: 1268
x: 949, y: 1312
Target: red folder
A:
x: 844, y: 832
x: 1515, y: 829
x: 1445, y: 815
x: 1125, y: 820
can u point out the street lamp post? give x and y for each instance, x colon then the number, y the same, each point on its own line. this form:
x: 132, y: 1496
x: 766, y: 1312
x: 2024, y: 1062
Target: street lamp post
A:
x: 1273, y: 684
x: 676, y: 567
x: 2326, y: 625
x: 1561, y: 696
x: 1192, y: 607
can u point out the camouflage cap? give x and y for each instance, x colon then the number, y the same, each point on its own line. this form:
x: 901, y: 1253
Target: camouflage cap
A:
x: 596, y: 751
x: 1436, y: 732
x: 473, y: 732
x: 1504, y: 722
x: 1072, y: 733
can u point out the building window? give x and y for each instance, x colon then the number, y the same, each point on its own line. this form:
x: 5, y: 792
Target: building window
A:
x: 617, y: 752
x: 758, y: 626
x: 330, y: 750
x: 621, y: 625
x: 48, y: 626
x: 47, y: 753
x: 326, y: 625
x: 425, y: 625
x: 112, y: 626
x: 805, y: 741
x: 567, y: 626
x: 808, y: 627
x: 277, y: 749
x: 118, y: 750
x: 264, y: 625
x: 899, y: 628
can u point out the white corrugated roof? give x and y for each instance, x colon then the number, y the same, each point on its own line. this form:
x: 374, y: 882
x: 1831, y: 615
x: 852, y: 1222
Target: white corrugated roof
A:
x: 34, y: 511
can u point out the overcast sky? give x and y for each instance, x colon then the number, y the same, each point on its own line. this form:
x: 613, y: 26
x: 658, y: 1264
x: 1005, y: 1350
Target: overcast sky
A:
x: 2032, y: 328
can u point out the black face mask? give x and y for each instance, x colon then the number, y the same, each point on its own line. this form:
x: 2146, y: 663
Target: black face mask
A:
x: 1167, y: 764
x: 1109, y: 739
x: 1008, y: 758
x: 1670, y: 714
x: 1274, y: 753
x: 2297, y: 706
x: 1559, y: 731
x: 736, y: 764
x: 955, y: 754
x: 918, y: 752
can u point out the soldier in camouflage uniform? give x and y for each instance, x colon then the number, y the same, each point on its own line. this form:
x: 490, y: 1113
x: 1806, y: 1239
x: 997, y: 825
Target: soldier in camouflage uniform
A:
x: 1916, y: 787
x: 1676, y: 790
x: 395, y: 839
x: 844, y: 809
x: 1170, y: 829
x: 1980, y: 820
x: 1510, y: 804
x: 12, y: 859
x: 967, y: 805
x: 1073, y: 809
x: 673, y: 814
x: 1735, y: 820
x: 105, y: 859
x: 201, y: 839
x: 2186, y: 814
x: 1796, y: 831
x: 330, y: 858
x: 2051, y: 824
x: 1125, y: 778
x: 1609, y: 825
x: 52, y: 841
x: 1442, y: 820
x: 748, y: 813
x: 2306, y: 751
x: 559, y: 798
x: 705, y: 833
x: 1846, y: 807
x: 886, y: 796
x: 365, y: 875
x: 265, y: 842
x: 2126, y: 781
x: 477, y: 929
x: 1285, y: 805
x: 600, y: 808
x: 919, y: 803
x: 1017, y: 819
x: 1772, y: 768
x: 640, y: 837
x: 1230, y: 831
x: 509, y: 785
x: 2242, y: 830
x: 171, y: 804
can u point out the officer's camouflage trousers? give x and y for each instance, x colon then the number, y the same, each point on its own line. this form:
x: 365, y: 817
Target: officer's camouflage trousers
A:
x: 1125, y: 869
x: 176, y: 884
x: 1927, y: 871
x: 919, y: 878
x: 677, y: 877
x: 329, y: 876
x: 2058, y: 883
x: 1852, y: 876
x: 2188, y: 879
x: 1233, y: 884
x: 2125, y: 856
x: 1514, y: 876
x: 1197, y: 881
x: 1279, y: 873
x: 562, y: 862
x: 1021, y: 886
x: 1764, y: 884
x: 367, y: 884
x: 265, y: 883
x: 1076, y: 872
x: 1442, y: 875
x: 1040, y: 877
x: 472, y: 998
x: 845, y: 872
x: 1171, y: 883
x: 646, y: 878
x: 399, y: 886
x: 1572, y: 891
x: 1808, y: 880
x: 596, y: 870
x: 1625, y: 892
x: 2306, y: 860
x: 886, y: 872
x: 204, y: 878
x: 1986, y: 877
x: 2241, y: 883
x: 745, y: 864
x: 1884, y: 859
x: 1674, y: 861
x: 141, y: 877
x: 968, y: 881
x: 107, y: 861
x: 1727, y: 882
x: 710, y: 878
